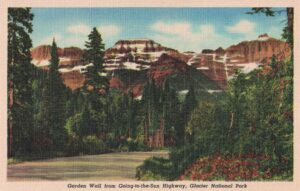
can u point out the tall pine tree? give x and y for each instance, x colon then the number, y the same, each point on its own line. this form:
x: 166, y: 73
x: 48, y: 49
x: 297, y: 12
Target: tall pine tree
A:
x: 53, y: 114
x: 94, y: 54
x: 20, y: 74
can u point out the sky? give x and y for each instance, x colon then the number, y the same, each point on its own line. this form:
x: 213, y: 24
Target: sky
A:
x: 184, y: 29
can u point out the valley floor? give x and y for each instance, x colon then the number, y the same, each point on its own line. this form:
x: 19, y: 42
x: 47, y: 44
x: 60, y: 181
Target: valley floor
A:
x: 112, y: 166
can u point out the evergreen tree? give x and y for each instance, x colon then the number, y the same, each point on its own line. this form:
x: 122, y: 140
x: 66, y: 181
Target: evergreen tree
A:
x: 150, y: 100
x: 161, y: 111
x: 189, y: 104
x: 131, y: 112
x: 38, y: 90
x: 53, y: 114
x: 20, y: 76
x: 94, y: 54
x: 171, y: 115
x: 96, y: 86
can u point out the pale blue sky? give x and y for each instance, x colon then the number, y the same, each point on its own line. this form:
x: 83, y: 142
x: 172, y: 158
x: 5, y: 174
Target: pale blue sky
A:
x: 180, y: 28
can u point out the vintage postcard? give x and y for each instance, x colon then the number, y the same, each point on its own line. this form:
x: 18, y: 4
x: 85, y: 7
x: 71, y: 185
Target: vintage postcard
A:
x: 161, y: 95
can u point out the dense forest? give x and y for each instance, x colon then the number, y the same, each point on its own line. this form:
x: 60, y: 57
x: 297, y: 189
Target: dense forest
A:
x: 245, y: 134
x: 90, y: 120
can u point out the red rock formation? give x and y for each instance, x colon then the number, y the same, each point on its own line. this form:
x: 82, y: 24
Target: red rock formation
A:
x: 213, y: 70
x: 159, y: 61
x: 73, y: 79
x: 165, y: 66
x: 136, y: 45
x: 207, y: 51
x: 43, y: 52
x: 72, y: 52
x: 258, y: 50
x: 182, y: 57
x: 241, y: 56
x: 116, y: 83
x: 219, y: 51
x: 263, y: 36
x: 137, y: 90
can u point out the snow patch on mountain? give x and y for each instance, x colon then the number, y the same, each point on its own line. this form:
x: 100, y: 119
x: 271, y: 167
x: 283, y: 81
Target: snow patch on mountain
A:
x: 203, y: 68
x: 81, y: 69
x: 40, y: 63
x: 246, y: 67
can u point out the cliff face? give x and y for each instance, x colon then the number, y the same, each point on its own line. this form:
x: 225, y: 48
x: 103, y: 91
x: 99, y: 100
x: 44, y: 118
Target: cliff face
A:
x: 69, y: 57
x: 165, y: 66
x: 259, y: 50
x: 70, y: 63
x: 220, y: 65
x: 137, y: 46
x: 43, y: 52
x: 73, y: 79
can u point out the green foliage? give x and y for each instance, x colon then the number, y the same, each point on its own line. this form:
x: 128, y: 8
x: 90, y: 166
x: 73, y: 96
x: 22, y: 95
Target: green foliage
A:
x: 189, y: 104
x: 154, y: 168
x: 85, y: 132
x: 256, y: 117
x: 161, y: 109
x: 20, y: 77
x: 89, y: 144
x: 93, y: 145
x: 124, y: 109
x: 266, y: 10
x: 135, y: 145
x: 94, y: 54
x: 52, y: 117
x: 89, y: 122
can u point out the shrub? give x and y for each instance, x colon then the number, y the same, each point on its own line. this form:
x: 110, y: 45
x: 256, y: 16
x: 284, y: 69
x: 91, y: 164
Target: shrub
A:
x: 155, y: 168
x: 132, y: 144
x: 123, y: 148
x: 111, y: 141
x: 233, y: 168
x: 93, y: 145
x: 73, y: 145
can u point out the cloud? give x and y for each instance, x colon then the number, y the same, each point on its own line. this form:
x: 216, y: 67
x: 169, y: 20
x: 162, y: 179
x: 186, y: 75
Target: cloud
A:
x: 80, y: 29
x: 109, y: 30
x: 180, y: 35
x: 83, y: 29
x: 78, y: 33
x: 242, y: 27
x: 179, y: 28
x: 75, y: 40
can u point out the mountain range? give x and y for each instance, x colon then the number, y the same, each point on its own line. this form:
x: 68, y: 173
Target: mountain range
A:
x: 129, y: 64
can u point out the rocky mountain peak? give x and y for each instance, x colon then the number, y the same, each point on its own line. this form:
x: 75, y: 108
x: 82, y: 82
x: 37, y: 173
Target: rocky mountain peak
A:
x: 137, y: 46
x: 263, y: 37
